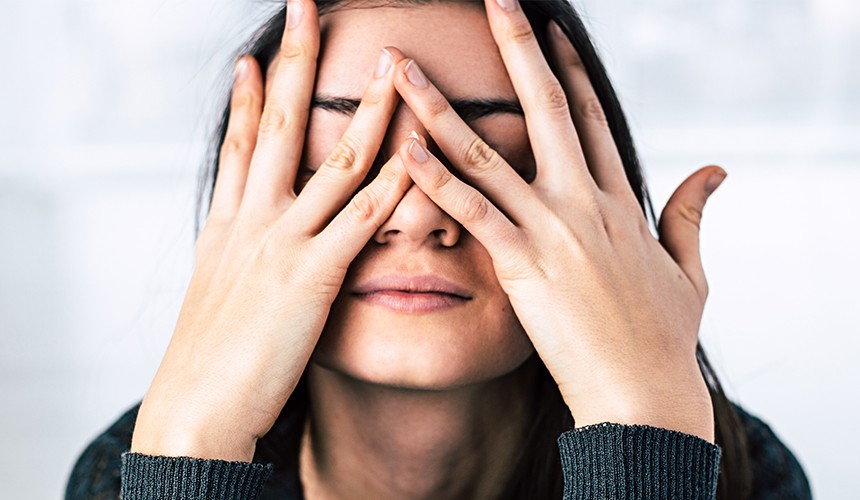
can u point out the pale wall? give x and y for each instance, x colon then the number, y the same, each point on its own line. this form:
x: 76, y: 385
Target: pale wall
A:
x: 105, y: 105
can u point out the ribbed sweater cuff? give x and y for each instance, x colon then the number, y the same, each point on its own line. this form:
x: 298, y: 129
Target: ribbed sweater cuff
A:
x: 636, y: 462
x: 184, y: 478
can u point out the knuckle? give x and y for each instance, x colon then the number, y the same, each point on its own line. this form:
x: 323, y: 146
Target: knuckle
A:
x: 521, y: 32
x: 689, y: 212
x: 387, y: 176
x: 574, y: 61
x: 618, y: 221
x: 475, y: 207
x: 591, y: 110
x: 590, y: 206
x: 441, y: 179
x: 236, y: 146
x: 274, y: 122
x: 601, y: 222
x: 372, y: 98
x: 479, y: 156
x: 345, y: 155
x: 621, y: 228
x: 219, y: 220
x: 438, y: 106
x: 293, y: 52
x: 551, y: 97
x: 245, y: 102
x: 364, y: 206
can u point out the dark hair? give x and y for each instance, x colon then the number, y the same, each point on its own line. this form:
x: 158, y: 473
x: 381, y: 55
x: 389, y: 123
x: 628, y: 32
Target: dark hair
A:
x: 538, y: 472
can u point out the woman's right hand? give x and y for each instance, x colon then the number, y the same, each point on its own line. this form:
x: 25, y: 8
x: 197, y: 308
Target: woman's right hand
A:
x: 269, y: 263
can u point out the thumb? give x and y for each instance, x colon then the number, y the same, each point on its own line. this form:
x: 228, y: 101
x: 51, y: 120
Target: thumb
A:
x: 681, y: 219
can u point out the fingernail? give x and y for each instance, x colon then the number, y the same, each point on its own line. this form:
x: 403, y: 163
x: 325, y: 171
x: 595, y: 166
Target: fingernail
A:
x: 508, y: 5
x: 415, y: 75
x: 714, y: 182
x: 295, y: 9
x: 384, y: 63
x: 418, y: 152
x: 241, y: 69
x: 415, y: 136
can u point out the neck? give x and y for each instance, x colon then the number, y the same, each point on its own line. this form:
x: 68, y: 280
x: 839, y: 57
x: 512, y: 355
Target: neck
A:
x: 365, y: 440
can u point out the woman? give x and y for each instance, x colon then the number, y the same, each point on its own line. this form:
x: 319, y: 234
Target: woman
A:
x: 489, y: 316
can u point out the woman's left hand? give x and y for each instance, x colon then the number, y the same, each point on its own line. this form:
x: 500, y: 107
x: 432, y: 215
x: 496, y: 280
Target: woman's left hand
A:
x: 613, y: 312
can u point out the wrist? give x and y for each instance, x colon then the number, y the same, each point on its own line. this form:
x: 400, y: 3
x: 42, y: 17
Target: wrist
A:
x: 170, y: 435
x: 194, y: 443
x: 687, y: 410
x: 695, y: 423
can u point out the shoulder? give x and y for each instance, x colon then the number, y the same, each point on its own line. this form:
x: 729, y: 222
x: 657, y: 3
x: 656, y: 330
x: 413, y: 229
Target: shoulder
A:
x: 96, y: 474
x: 776, y: 472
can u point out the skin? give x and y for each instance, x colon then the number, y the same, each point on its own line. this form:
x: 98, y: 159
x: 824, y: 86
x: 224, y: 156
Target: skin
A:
x: 402, y: 401
x: 402, y: 404
x: 446, y: 349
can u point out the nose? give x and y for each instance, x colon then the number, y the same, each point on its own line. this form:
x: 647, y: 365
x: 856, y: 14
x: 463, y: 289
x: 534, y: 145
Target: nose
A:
x: 416, y: 220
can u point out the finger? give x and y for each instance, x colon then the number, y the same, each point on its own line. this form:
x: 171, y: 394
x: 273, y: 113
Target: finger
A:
x: 558, y: 154
x: 475, y: 159
x: 346, y: 167
x: 461, y: 201
x: 235, y: 156
x: 353, y: 227
x: 601, y: 153
x: 285, y: 115
x: 681, y: 220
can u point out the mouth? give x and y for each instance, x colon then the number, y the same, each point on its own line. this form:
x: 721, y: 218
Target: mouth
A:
x: 412, y: 302
x: 425, y: 284
x: 415, y: 294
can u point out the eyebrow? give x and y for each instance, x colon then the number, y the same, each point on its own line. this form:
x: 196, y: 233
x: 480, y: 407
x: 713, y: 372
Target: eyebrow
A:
x: 468, y: 109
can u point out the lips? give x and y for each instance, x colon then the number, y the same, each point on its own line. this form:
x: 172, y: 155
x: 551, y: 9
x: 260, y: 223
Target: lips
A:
x: 427, y: 284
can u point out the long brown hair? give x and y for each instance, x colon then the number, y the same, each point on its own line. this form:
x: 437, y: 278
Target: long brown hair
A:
x: 538, y: 474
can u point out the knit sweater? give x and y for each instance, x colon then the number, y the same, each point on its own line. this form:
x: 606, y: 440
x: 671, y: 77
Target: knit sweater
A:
x: 599, y: 461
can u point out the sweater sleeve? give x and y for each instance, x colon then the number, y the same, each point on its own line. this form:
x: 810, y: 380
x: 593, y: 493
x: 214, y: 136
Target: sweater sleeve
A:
x: 616, y: 461
x: 186, y: 478
x: 106, y: 470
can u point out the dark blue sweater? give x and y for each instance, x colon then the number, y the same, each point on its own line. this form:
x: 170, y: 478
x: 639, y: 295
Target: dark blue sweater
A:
x: 601, y: 461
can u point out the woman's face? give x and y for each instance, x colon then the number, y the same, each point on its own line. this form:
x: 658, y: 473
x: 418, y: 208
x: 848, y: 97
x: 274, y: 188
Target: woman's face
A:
x: 463, y: 341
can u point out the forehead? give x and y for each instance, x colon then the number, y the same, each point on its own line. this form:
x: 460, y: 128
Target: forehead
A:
x: 450, y: 40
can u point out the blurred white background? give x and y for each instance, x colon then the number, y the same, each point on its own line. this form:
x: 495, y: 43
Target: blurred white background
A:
x: 104, y: 111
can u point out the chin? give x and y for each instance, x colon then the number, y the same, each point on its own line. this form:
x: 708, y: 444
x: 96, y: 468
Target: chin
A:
x: 422, y: 352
